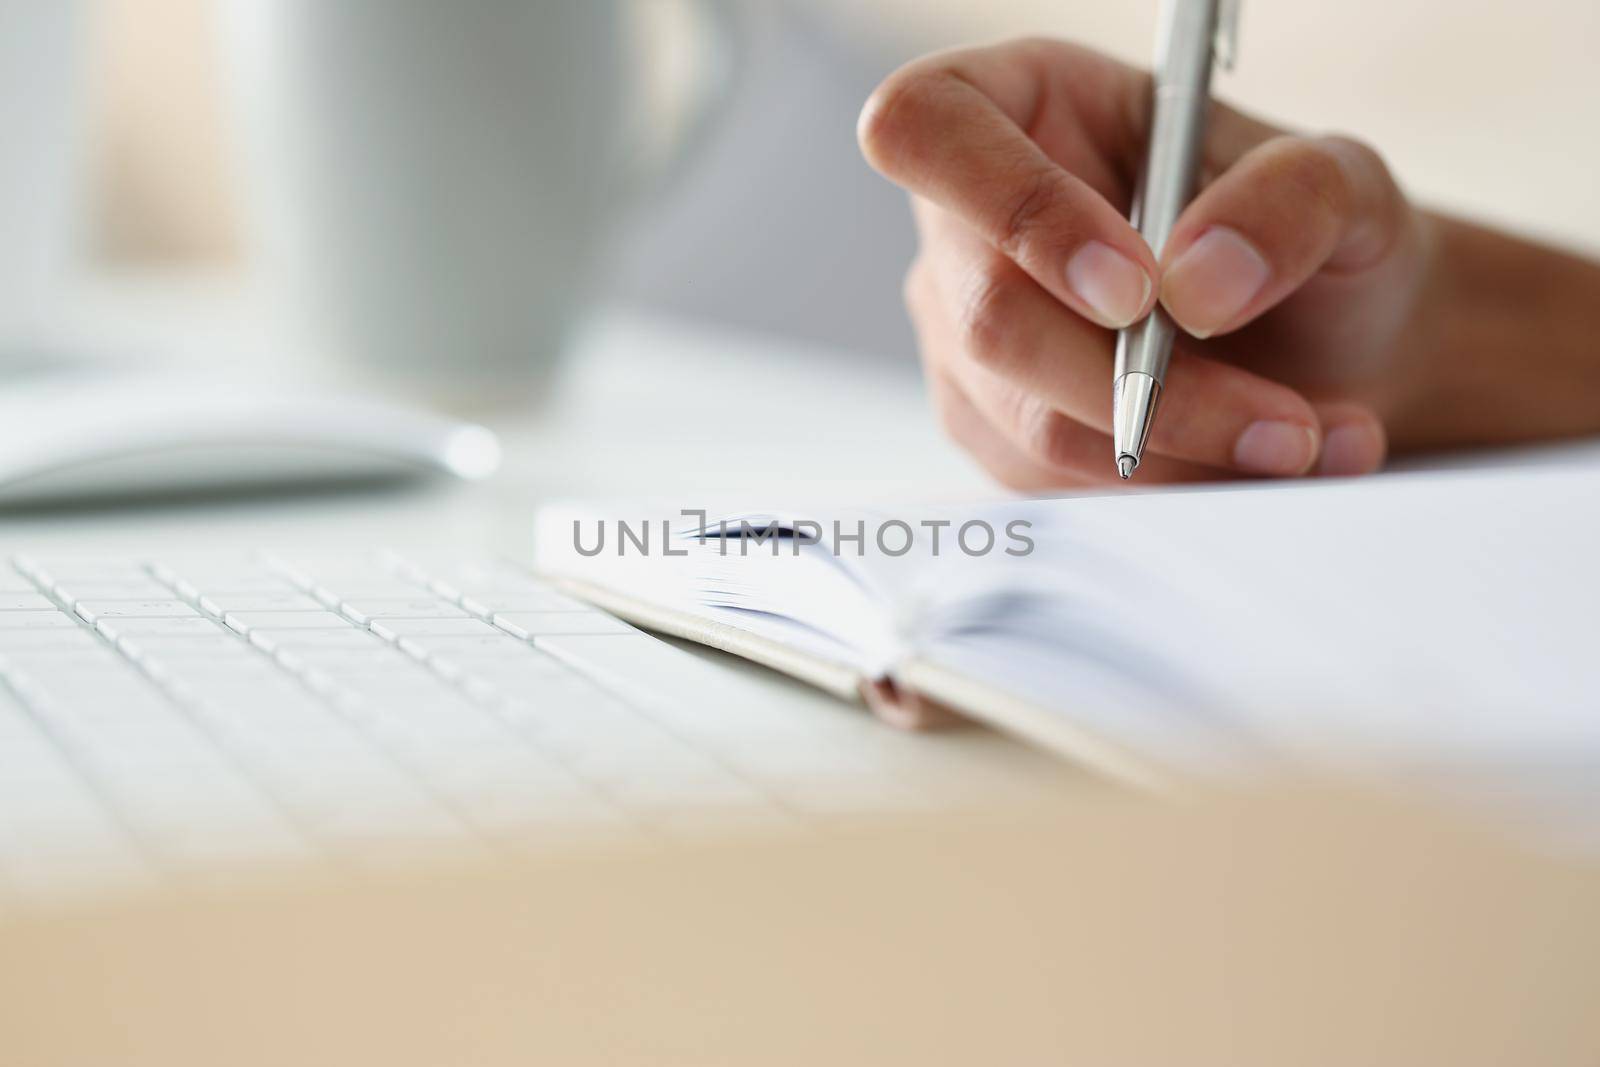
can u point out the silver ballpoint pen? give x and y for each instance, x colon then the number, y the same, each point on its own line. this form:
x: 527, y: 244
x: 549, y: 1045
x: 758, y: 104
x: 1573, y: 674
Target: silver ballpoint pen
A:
x: 1191, y: 36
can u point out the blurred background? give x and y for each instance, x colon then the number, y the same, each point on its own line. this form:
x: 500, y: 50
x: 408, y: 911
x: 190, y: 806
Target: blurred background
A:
x: 135, y: 162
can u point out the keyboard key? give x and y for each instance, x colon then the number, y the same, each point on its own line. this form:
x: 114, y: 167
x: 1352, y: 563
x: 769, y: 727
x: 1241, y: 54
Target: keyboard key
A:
x: 344, y: 572
x: 395, y: 629
x: 668, y: 684
x: 488, y: 603
x: 58, y: 638
x: 131, y: 760
x: 277, y: 621
x: 169, y: 673
x: 19, y: 601
x: 200, y: 647
x: 264, y: 690
x: 224, y: 571
x: 118, y: 629
x: 219, y: 604
x: 66, y: 569
x: 116, y: 690
x: 497, y: 578
x: 341, y: 660
x: 530, y: 624
x: 143, y: 588
x: 528, y: 672
x: 379, y: 664
x: 487, y: 675
x: 415, y: 697
x: 246, y: 665
x: 427, y: 743
x: 364, y: 610
x: 37, y: 620
x: 244, y: 584
x: 461, y: 647
x: 425, y: 638
x: 14, y: 581
x: 95, y: 610
x: 295, y: 735
x: 49, y: 660
x: 308, y: 641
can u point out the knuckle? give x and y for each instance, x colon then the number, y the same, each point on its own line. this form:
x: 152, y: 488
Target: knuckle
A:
x: 988, y: 316
x: 1044, y: 434
x: 1039, y: 199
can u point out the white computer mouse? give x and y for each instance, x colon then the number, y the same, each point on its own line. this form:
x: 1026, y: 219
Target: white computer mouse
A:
x: 84, y: 436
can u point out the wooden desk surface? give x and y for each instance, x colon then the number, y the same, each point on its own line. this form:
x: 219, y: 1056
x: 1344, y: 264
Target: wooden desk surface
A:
x: 1295, y: 929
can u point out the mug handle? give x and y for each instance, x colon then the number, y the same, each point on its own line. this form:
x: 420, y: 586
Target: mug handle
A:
x: 645, y: 175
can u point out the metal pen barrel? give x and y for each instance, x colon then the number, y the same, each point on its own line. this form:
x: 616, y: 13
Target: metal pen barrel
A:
x: 1182, y: 97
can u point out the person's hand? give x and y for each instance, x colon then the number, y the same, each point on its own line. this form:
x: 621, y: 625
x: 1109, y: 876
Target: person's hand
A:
x: 1294, y: 274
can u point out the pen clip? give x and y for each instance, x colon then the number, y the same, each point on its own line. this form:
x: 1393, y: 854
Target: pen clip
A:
x: 1226, y: 43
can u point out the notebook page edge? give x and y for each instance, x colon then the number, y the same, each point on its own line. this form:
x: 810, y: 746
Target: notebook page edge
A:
x: 835, y: 678
x: 1033, y: 724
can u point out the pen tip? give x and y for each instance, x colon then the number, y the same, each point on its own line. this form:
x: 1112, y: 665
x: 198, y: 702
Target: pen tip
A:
x: 1125, y: 465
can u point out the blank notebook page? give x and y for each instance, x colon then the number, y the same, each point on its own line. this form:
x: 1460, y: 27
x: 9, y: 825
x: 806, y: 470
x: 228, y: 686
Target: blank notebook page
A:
x: 1418, y: 617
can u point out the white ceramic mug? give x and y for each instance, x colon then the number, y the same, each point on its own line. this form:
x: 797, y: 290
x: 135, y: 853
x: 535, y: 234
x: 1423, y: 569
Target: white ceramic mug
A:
x: 428, y: 184
x: 41, y: 174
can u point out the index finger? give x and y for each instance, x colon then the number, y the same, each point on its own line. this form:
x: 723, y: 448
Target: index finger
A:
x: 951, y: 128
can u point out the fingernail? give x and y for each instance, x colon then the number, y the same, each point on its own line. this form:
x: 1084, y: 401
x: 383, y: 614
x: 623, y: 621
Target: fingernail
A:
x: 1214, y: 279
x: 1347, y: 450
x: 1268, y: 447
x: 1114, y: 286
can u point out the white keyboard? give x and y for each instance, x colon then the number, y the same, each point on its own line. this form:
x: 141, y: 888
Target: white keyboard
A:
x: 160, y: 718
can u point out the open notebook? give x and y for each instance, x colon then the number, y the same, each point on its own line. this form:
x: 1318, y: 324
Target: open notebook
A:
x: 1428, y: 619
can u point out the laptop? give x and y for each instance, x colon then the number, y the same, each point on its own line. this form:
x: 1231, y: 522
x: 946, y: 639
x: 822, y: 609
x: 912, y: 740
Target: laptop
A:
x: 181, y: 717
